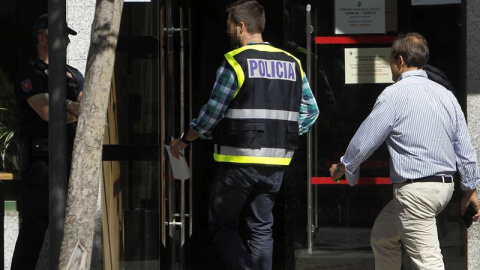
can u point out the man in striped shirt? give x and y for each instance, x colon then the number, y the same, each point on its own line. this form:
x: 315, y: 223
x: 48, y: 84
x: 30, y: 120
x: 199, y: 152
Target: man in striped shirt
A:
x: 426, y: 134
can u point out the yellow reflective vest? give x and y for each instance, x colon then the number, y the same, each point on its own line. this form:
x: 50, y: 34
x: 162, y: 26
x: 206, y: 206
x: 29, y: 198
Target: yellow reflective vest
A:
x: 260, y: 125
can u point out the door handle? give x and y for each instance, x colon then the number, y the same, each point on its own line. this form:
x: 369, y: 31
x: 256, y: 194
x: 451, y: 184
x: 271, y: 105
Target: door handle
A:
x: 310, y: 226
x: 174, y: 196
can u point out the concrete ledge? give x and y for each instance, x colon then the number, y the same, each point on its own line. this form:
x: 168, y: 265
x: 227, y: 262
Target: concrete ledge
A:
x: 11, y: 233
x: 5, y: 176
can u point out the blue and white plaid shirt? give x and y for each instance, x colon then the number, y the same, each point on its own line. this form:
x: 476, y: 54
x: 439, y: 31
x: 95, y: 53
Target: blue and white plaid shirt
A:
x: 425, y: 131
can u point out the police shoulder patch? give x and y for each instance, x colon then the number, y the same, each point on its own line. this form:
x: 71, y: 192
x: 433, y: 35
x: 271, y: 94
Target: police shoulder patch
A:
x: 26, y: 85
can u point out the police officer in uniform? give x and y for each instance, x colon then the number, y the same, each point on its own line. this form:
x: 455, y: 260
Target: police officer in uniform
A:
x: 260, y: 103
x: 33, y: 100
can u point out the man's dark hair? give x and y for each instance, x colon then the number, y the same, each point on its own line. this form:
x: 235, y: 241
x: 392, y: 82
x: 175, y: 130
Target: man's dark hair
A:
x: 413, y: 48
x: 250, y: 12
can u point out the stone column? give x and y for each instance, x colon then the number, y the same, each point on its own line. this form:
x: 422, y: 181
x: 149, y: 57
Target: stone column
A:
x: 473, y: 110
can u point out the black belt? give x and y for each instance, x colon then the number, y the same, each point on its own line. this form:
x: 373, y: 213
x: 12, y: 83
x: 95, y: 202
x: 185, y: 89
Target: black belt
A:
x: 435, y: 178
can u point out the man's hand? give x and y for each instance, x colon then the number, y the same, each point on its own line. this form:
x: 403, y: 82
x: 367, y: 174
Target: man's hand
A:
x: 337, y: 171
x: 79, y: 97
x: 176, y: 147
x: 470, y: 197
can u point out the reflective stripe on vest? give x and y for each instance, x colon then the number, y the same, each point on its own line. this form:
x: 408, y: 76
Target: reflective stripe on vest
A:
x: 262, y: 114
x: 259, y: 47
x: 267, y: 156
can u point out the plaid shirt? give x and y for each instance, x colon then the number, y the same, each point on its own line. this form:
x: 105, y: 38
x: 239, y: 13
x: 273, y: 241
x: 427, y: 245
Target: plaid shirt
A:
x: 223, y: 92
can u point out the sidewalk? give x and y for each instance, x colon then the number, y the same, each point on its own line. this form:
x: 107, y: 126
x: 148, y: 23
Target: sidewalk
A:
x: 349, y: 249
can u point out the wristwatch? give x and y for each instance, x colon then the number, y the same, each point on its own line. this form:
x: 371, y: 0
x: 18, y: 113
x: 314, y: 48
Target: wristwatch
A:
x: 184, y: 139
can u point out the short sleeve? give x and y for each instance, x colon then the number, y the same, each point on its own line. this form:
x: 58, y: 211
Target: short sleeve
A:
x: 31, y: 81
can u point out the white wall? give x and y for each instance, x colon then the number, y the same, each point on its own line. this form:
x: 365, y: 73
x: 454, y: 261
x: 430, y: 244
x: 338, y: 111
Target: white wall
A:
x: 473, y: 111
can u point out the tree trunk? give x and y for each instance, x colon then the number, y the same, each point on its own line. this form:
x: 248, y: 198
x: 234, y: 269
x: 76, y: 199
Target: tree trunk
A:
x: 87, y: 154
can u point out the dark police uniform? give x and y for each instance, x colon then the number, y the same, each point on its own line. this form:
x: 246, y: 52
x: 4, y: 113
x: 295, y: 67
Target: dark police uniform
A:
x: 33, y: 80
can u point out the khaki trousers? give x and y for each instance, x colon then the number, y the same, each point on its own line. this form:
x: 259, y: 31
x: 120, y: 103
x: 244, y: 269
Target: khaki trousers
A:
x: 410, y: 219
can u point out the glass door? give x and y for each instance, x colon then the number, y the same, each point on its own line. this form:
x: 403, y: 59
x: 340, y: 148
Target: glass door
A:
x: 150, y: 104
x: 132, y: 150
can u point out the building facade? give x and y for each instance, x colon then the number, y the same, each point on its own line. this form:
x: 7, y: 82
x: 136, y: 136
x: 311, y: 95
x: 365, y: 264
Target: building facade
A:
x: 167, y: 55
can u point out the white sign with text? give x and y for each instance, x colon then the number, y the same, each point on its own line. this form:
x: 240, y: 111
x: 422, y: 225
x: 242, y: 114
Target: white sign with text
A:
x: 359, y: 17
x: 367, y: 65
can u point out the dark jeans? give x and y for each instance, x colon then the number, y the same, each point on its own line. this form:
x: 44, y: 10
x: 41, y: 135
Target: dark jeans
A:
x: 249, y: 188
x: 34, y: 215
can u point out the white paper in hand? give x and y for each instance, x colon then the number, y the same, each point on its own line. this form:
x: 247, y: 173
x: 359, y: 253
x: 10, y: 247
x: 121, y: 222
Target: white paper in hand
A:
x: 180, y: 168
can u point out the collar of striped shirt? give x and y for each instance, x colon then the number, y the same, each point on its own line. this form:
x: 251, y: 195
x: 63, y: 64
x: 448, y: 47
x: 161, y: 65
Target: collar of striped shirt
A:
x: 418, y: 72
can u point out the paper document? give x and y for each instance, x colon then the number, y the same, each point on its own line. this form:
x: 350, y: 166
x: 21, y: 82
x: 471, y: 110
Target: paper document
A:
x: 180, y: 168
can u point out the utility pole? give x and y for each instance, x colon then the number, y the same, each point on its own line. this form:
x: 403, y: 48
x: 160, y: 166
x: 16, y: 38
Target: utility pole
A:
x: 58, y: 159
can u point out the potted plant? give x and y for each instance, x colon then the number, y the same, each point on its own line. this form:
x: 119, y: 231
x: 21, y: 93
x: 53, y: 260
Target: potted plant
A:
x: 10, y: 141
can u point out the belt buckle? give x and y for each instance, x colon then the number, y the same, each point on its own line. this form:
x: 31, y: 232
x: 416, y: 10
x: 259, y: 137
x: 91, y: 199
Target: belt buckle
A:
x: 444, y: 176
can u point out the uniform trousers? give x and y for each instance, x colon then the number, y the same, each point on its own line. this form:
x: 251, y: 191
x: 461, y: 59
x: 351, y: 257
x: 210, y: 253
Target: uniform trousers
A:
x: 410, y: 219
x: 250, y: 189
x: 34, y: 215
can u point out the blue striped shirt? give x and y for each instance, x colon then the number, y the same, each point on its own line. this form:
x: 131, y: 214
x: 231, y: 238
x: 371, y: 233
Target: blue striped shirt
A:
x: 425, y: 131
x: 223, y: 92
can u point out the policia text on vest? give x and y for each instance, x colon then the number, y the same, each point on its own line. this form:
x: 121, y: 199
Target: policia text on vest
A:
x: 271, y: 69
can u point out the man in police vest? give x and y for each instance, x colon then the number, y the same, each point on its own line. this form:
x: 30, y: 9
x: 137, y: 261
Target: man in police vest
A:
x: 260, y: 103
